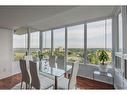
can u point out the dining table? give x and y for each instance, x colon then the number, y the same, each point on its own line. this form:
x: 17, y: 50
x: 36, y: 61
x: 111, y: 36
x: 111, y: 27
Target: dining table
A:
x: 54, y: 71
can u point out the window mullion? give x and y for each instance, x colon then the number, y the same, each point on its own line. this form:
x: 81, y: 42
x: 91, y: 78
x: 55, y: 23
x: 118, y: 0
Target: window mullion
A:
x: 85, y: 44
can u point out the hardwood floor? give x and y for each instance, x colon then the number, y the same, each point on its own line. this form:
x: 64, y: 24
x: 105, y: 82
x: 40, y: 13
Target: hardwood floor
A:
x: 85, y: 83
x: 82, y: 83
x: 8, y: 83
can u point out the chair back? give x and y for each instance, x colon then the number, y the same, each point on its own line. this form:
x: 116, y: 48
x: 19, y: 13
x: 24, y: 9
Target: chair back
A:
x: 28, y: 58
x: 52, y: 61
x: 23, y: 68
x: 72, y: 80
x: 34, y: 75
x: 60, y: 62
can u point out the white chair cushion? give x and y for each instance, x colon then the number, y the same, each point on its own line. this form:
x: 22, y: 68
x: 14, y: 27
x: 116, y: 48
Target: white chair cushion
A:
x: 63, y: 83
x: 48, y: 76
x: 28, y: 58
x: 18, y: 86
x: 45, y: 82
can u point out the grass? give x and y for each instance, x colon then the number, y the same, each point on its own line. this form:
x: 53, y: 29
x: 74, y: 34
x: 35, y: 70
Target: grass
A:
x: 18, y: 56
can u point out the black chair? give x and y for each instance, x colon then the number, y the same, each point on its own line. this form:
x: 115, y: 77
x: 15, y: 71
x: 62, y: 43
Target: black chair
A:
x: 25, y: 75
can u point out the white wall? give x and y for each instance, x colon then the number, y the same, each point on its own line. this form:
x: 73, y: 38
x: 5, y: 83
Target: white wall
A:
x: 6, y: 43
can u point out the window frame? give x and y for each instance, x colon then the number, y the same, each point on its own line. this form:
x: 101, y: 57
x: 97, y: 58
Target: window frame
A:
x: 105, y: 35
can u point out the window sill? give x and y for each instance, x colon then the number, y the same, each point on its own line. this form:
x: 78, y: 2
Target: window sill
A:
x: 88, y: 64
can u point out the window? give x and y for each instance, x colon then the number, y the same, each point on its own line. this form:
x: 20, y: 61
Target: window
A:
x: 108, y: 39
x: 99, y: 36
x: 109, y: 34
x: 120, y: 32
x: 19, y: 46
x: 46, y: 43
x: 34, y: 41
x: 59, y: 42
x: 118, y: 59
x: 76, y: 43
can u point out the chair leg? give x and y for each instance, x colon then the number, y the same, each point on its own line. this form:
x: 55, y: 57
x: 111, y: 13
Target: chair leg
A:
x: 26, y: 85
x: 76, y: 86
x: 30, y: 86
x: 21, y: 85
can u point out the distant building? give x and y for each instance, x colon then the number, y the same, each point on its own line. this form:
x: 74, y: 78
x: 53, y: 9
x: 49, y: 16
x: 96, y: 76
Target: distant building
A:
x: 61, y: 49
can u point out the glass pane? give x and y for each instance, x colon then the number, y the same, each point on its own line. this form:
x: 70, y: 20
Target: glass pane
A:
x: 109, y: 34
x: 34, y: 43
x: 19, y: 46
x: 95, y: 40
x: 59, y: 41
x: 109, y: 38
x: 99, y: 36
x: 34, y: 40
x: 76, y: 43
x: 46, y: 43
x: 95, y: 35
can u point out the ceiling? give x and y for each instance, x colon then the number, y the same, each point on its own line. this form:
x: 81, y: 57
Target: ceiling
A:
x: 45, y: 17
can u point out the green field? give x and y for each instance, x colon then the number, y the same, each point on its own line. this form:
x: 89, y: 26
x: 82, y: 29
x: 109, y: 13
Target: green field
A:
x: 74, y: 54
x: 18, y: 55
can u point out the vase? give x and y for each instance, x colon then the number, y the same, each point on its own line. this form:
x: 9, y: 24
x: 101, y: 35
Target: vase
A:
x: 103, y: 68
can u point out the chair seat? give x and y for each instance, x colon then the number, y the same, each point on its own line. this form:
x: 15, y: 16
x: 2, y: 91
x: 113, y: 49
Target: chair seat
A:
x: 63, y: 83
x: 48, y: 76
x: 45, y: 82
x: 18, y: 86
x: 51, y: 76
x: 70, y: 83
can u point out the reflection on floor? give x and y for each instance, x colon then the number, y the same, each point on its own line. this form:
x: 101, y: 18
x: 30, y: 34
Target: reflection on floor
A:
x: 82, y: 83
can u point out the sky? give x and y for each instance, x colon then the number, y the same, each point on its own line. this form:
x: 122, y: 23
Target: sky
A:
x: 95, y: 37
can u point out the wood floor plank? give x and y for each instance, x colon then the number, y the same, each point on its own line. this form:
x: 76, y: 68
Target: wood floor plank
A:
x: 85, y: 83
x: 9, y: 82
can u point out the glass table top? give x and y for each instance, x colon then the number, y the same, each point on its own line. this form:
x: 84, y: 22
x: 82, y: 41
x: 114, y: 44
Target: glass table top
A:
x: 53, y: 70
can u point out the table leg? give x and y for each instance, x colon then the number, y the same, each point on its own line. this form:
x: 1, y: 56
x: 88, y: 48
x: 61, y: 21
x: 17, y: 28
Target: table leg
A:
x: 55, y: 82
x: 93, y: 76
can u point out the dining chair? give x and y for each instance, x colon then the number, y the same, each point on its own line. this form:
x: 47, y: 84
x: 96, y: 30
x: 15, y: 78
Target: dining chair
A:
x: 52, y: 60
x: 60, y: 62
x: 25, y: 75
x: 52, y: 63
x: 38, y: 81
x: 65, y: 83
x: 28, y: 58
